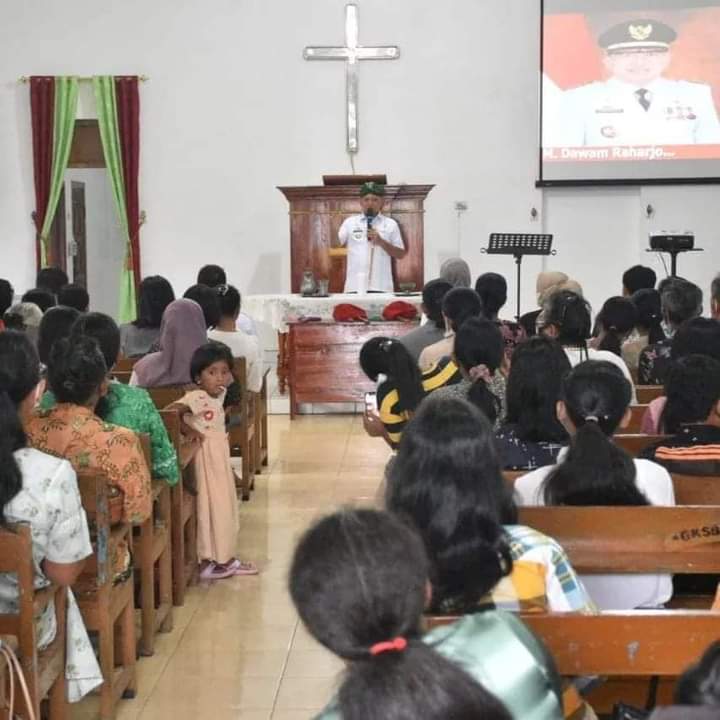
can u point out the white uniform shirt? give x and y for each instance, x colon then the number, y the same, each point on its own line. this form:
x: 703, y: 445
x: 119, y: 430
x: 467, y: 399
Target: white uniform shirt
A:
x: 243, y: 346
x: 615, y: 592
x: 610, y: 113
x: 353, y: 234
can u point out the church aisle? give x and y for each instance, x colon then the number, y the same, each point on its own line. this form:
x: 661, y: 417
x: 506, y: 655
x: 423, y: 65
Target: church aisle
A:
x: 238, y: 649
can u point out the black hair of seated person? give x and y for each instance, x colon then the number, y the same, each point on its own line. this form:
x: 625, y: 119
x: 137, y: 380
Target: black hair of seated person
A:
x: 699, y: 336
x: 681, y: 301
x: 19, y: 376
x: 446, y: 481
x: 212, y: 276
x: 207, y: 299
x: 389, y: 357
x: 648, y: 306
x: 51, y: 279
x: 459, y: 305
x: 74, y: 296
x: 55, y: 325
x: 595, y: 470
x: 104, y: 330
x: 156, y: 293
x: 7, y: 293
x: 570, y: 314
x: 692, y: 390
x: 230, y: 300
x: 44, y: 299
x: 700, y: 683
x: 533, y: 389
x: 617, y: 318
x: 480, y: 342
x: 638, y: 277
x: 492, y: 289
x: 432, y: 297
x: 359, y: 578
x: 76, y: 370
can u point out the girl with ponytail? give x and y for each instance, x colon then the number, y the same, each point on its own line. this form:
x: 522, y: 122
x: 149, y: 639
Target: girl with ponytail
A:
x: 593, y: 471
x: 446, y: 480
x: 615, y: 322
x: 359, y: 580
x: 41, y: 491
x: 401, y: 385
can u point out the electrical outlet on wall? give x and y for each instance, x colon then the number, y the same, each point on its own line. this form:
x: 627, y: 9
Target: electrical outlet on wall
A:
x: 461, y: 206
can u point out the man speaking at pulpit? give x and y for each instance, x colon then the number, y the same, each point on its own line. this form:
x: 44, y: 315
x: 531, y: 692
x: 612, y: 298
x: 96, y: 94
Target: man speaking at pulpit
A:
x: 372, y: 240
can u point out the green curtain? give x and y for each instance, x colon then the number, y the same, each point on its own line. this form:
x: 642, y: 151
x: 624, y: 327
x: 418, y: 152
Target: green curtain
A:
x: 66, y: 96
x: 104, y: 87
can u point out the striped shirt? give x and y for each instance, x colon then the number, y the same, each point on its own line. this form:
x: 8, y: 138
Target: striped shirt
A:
x: 388, y: 398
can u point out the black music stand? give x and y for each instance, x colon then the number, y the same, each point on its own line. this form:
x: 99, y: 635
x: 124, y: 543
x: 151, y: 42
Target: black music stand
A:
x: 517, y: 245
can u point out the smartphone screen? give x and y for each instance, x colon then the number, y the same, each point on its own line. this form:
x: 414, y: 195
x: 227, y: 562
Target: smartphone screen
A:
x: 370, y: 402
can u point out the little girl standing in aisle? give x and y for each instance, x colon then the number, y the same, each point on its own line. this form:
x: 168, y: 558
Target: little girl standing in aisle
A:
x: 217, y: 514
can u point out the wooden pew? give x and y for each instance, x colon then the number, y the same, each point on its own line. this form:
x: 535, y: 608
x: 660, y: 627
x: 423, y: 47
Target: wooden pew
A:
x: 243, y: 438
x: 647, y: 393
x: 122, y: 376
x: 164, y: 396
x: 635, y: 444
x: 107, y: 608
x: 696, y: 489
x: 44, y: 670
x: 183, y: 509
x: 637, y: 413
x: 153, y: 561
x: 125, y: 364
x: 261, y: 425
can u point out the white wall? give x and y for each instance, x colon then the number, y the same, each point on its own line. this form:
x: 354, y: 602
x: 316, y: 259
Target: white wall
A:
x: 105, y: 246
x: 232, y: 110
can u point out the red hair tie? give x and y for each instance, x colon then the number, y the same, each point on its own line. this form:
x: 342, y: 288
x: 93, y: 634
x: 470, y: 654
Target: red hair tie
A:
x: 398, y: 644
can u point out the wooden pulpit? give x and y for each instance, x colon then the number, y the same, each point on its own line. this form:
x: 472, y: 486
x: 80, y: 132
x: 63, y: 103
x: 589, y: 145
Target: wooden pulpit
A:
x: 316, y: 213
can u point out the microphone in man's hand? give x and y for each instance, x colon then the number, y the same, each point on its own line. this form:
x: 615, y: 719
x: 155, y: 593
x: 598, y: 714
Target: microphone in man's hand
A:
x: 369, y: 217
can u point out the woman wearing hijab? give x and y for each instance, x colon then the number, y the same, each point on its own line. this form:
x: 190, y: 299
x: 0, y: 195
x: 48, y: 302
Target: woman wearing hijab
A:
x: 182, y: 332
x: 457, y: 272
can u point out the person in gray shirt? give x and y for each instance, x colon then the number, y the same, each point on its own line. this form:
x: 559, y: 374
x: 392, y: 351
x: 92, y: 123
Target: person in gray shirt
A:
x: 434, y: 329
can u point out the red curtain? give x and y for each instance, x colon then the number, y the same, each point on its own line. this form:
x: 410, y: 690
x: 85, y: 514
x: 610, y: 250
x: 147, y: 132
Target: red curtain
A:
x: 42, y: 110
x: 128, y: 111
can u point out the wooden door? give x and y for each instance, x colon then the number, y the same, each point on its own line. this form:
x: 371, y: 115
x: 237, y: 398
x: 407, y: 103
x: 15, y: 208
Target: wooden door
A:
x: 79, y: 246
x: 57, y: 247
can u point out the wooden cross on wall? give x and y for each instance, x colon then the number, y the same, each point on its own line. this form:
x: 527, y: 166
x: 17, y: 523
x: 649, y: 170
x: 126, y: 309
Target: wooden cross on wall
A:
x: 352, y: 53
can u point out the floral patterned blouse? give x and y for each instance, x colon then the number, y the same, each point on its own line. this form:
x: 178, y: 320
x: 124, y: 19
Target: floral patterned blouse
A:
x: 654, y: 363
x: 133, y: 408
x: 77, y: 434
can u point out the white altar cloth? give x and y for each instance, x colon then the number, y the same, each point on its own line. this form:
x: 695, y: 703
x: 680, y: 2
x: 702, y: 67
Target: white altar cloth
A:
x: 279, y: 310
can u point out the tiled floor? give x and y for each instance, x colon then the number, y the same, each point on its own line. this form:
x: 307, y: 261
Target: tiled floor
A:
x: 238, y: 650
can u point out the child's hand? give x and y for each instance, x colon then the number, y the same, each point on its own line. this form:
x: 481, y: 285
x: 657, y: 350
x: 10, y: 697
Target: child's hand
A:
x: 190, y: 434
x: 372, y: 424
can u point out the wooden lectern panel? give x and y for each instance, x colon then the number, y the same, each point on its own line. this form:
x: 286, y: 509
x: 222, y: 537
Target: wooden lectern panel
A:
x: 316, y: 214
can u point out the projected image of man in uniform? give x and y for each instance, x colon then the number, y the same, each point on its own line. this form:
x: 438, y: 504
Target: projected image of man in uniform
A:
x: 636, y: 105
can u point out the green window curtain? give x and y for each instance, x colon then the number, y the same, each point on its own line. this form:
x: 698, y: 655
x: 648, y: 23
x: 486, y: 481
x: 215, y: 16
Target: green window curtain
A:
x: 104, y: 87
x: 66, y: 97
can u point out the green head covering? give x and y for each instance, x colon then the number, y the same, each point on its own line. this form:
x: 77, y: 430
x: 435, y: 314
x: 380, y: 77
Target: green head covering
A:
x: 372, y: 188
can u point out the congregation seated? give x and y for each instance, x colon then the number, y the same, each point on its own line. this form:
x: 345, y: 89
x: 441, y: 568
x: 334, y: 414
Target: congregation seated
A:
x: 699, y: 336
x: 74, y: 296
x: 51, y: 279
x: 123, y: 405
x: 492, y: 289
x: 7, y: 293
x: 648, y: 326
x: 392, y: 670
x: 207, y: 299
x: 78, y: 378
x: 54, y: 325
x: 433, y: 330
x: 614, y: 323
x: 42, y: 491
x: 44, y: 299
x: 241, y: 345
x: 24, y: 317
x: 636, y: 278
x: 681, y: 301
x: 546, y: 284
x: 566, y: 317
x: 213, y: 276
x: 593, y: 471
x: 458, y: 305
x: 479, y: 355
x: 531, y: 435
x: 447, y: 481
x: 457, y: 272
x: 139, y: 336
x: 402, y: 387
x: 692, y: 416
x: 182, y: 331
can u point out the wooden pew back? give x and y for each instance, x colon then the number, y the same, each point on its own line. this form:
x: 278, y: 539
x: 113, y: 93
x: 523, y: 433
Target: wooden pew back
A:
x: 635, y: 444
x: 164, y: 396
x: 637, y: 412
x: 696, y: 489
x: 647, y: 393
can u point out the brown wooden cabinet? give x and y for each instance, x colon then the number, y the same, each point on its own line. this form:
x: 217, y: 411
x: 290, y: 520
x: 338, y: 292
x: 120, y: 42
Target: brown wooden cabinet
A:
x: 324, y: 365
